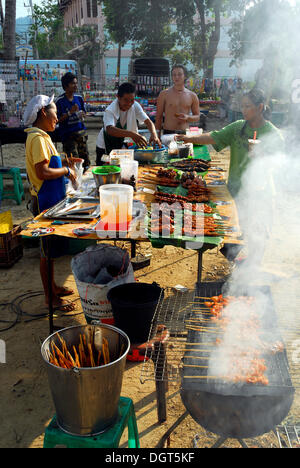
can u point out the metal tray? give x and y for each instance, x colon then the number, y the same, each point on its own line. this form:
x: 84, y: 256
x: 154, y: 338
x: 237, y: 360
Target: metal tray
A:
x: 56, y: 212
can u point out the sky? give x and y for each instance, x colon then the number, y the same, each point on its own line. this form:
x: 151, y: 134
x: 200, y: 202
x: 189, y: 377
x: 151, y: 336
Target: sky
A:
x: 22, y: 11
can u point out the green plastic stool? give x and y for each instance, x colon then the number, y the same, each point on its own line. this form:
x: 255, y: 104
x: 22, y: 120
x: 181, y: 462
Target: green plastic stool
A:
x: 17, y: 193
x: 56, y: 438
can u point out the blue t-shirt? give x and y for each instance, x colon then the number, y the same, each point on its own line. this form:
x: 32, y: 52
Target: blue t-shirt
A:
x: 73, y: 123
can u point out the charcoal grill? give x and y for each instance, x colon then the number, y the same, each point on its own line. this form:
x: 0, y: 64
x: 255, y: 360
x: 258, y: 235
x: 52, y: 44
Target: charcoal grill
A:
x: 229, y: 410
x: 236, y: 410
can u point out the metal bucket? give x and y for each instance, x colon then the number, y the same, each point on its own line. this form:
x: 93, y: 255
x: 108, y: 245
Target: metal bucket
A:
x: 105, y: 175
x: 86, y: 399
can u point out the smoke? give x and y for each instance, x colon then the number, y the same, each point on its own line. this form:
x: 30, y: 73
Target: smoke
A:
x: 269, y: 214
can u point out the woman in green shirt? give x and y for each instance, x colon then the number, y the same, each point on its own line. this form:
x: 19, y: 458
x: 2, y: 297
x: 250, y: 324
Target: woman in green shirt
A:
x: 237, y: 134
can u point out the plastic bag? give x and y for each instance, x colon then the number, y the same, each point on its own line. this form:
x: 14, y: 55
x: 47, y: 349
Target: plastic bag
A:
x: 173, y: 148
x: 97, y: 270
x: 76, y: 185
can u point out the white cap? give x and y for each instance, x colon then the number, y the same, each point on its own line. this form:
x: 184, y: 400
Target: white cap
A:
x: 34, y: 106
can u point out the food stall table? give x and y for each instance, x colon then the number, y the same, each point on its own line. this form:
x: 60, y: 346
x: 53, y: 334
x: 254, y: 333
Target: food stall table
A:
x: 220, y: 195
x: 146, y: 194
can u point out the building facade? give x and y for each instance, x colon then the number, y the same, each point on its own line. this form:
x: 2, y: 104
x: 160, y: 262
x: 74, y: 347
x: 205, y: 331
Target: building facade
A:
x: 89, y: 12
x: 78, y: 13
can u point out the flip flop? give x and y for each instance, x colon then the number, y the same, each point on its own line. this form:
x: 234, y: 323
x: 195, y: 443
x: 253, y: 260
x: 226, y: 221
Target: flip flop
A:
x: 64, y: 292
x: 65, y: 307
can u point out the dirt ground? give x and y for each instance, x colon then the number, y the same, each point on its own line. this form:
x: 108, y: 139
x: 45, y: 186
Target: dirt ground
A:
x: 26, y: 403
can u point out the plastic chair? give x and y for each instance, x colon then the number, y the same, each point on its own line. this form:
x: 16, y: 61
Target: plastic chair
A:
x: 17, y: 193
x: 56, y: 438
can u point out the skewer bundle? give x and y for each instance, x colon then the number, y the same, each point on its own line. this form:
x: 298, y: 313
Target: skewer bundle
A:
x: 86, y: 354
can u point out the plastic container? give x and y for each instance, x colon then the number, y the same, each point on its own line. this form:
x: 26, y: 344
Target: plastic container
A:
x: 86, y: 399
x: 129, y: 172
x: 117, y: 156
x: 253, y: 147
x: 133, y: 306
x: 115, y: 207
x: 105, y: 175
x: 148, y: 155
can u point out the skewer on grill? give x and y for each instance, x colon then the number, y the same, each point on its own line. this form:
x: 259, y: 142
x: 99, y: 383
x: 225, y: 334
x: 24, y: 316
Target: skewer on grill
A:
x: 195, y: 365
x: 203, y: 329
x: 201, y: 377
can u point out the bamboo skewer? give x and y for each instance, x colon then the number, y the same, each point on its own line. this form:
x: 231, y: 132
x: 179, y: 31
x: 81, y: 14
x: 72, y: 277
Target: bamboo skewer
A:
x: 198, y: 367
x: 203, y: 329
x: 201, y: 377
x: 85, y: 355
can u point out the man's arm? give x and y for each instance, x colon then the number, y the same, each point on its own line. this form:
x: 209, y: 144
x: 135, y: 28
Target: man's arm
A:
x: 160, y: 107
x: 195, y: 117
x: 195, y: 109
x: 121, y: 133
x: 154, y: 137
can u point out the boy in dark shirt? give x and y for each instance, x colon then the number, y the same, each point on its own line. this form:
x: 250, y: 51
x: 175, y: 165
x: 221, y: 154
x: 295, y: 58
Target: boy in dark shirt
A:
x: 70, y: 111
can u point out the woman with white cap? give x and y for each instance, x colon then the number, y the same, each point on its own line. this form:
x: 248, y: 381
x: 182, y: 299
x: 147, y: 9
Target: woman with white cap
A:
x: 46, y: 173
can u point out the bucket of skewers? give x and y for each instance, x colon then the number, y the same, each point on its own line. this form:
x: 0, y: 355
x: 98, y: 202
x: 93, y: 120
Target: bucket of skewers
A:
x: 85, y: 366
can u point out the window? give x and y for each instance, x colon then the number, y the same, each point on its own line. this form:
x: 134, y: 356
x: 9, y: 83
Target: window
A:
x: 88, y: 6
x: 95, y: 8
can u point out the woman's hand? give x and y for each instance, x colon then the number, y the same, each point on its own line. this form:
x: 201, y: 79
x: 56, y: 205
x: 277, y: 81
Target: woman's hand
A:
x: 74, y: 161
x: 70, y: 162
x: 72, y: 175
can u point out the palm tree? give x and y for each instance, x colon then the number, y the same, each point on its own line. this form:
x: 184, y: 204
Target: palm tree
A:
x: 9, y: 30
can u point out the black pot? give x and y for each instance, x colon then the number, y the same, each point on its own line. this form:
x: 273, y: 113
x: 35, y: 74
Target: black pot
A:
x: 133, y: 307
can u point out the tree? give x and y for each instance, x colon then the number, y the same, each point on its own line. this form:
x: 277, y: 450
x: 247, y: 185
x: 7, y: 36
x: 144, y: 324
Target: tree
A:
x: 199, y: 26
x: 117, y: 25
x: 90, y: 50
x: 259, y: 34
x: 47, y: 31
x: 151, y: 27
x: 146, y: 24
x: 9, y: 30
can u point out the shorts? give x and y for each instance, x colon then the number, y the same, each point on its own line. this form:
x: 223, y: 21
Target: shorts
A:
x: 76, y: 145
x: 175, y: 132
x: 58, y: 245
x: 99, y: 153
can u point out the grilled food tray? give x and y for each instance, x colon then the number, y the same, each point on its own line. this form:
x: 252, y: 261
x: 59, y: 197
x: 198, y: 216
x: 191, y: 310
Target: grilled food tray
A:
x: 75, y: 208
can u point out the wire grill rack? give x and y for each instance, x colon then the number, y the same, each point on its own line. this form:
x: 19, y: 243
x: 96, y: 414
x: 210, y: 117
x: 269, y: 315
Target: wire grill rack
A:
x: 173, y: 312
x: 288, y: 436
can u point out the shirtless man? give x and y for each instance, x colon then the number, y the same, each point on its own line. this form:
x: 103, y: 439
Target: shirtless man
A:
x: 178, y: 105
